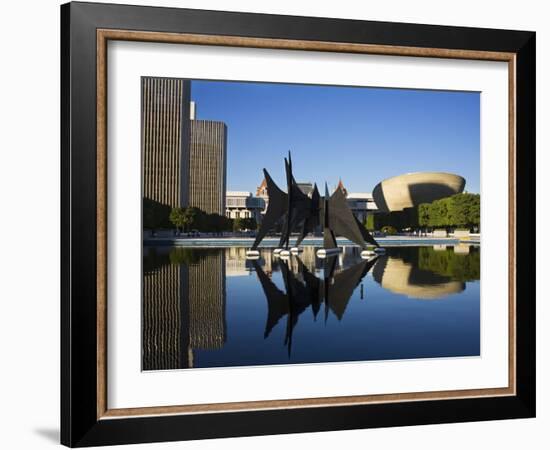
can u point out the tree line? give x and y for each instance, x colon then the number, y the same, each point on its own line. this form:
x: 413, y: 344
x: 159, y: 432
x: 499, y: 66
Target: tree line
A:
x: 456, y: 211
x: 192, y: 218
x: 444, y: 262
x: 448, y: 263
x: 157, y: 215
x: 459, y: 210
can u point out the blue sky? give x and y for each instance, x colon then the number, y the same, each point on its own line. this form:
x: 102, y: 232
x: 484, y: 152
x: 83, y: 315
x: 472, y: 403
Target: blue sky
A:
x: 361, y: 135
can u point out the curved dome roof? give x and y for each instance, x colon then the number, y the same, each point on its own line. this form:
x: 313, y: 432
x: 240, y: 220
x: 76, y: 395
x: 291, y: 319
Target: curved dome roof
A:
x: 412, y: 189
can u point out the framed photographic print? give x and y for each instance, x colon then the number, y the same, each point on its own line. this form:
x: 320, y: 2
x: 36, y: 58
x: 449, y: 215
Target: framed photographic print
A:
x: 276, y: 224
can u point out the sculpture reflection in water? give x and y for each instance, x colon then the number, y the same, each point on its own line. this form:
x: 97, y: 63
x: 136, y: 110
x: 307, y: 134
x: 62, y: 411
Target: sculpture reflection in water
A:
x: 213, y: 307
x: 303, y: 290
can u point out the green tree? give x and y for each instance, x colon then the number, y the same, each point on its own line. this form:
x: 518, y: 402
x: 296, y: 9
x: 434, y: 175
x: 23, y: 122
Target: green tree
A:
x: 369, y: 222
x: 196, y: 219
x: 388, y: 229
x: 459, y: 210
x: 178, y: 218
x: 448, y: 263
x: 200, y: 219
x: 424, y: 214
x: 227, y: 224
x: 443, y: 206
x: 250, y: 223
x: 238, y: 224
x: 438, y: 213
x: 183, y: 218
x: 217, y: 223
x: 474, y: 213
x: 244, y: 223
x: 155, y: 214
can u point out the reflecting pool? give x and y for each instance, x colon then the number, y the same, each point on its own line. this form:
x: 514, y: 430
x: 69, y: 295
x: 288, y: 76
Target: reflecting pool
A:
x: 213, y: 307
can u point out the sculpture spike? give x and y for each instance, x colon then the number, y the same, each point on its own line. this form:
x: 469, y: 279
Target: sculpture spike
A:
x: 276, y: 209
x: 304, y: 213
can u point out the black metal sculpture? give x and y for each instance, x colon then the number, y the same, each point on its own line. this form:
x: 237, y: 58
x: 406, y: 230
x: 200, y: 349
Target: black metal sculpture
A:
x: 303, y: 289
x: 341, y: 221
x: 298, y: 212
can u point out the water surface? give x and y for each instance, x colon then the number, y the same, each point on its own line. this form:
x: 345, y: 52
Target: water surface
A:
x: 211, y: 307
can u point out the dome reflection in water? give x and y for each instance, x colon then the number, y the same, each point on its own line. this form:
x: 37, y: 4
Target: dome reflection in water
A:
x: 211, y: 307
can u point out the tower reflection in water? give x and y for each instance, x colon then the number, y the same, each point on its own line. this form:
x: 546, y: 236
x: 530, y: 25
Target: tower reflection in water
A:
x: 183, y: 305
x: 190, y: 320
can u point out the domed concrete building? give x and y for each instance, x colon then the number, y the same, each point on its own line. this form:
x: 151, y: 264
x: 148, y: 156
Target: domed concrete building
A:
x: 412, y: 189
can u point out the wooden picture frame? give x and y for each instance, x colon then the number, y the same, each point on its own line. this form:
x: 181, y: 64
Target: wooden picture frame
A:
x: 86, y: 418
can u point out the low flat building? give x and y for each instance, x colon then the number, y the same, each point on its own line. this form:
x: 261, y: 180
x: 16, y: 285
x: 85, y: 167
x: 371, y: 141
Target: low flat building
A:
x: 361, y: 204
x: 241, y: 204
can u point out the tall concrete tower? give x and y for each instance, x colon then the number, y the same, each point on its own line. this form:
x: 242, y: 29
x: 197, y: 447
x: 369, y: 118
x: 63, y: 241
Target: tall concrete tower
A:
x: 165, y: 140
x: 208, y: 165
